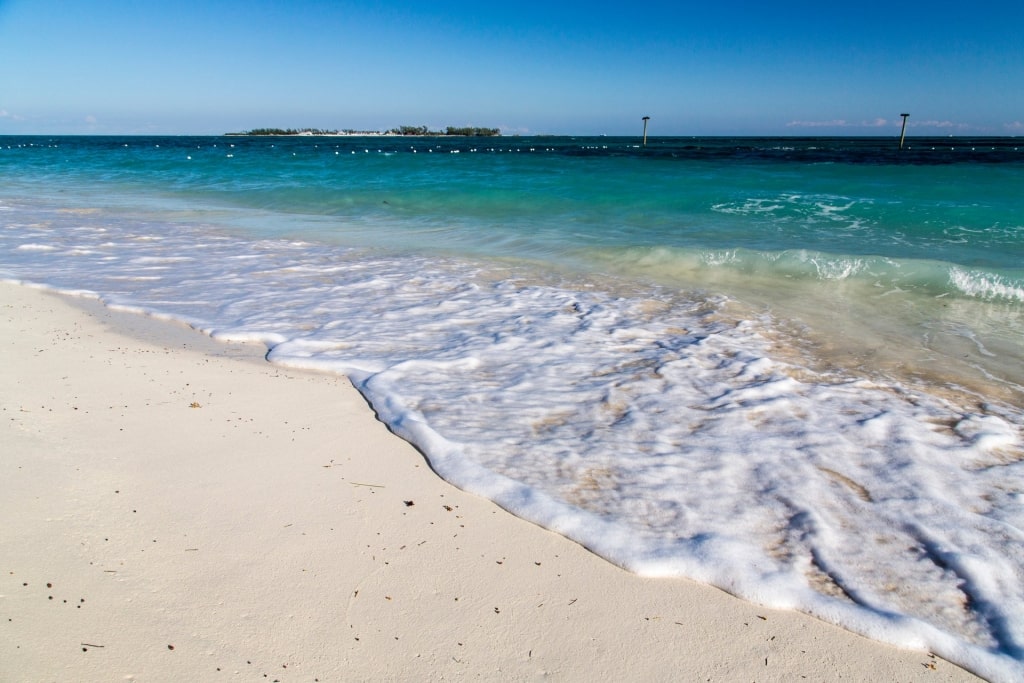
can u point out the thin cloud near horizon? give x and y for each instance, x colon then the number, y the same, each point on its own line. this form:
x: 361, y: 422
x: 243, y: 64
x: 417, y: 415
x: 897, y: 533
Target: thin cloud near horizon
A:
x: 911, y: 123
x: 840, y: 123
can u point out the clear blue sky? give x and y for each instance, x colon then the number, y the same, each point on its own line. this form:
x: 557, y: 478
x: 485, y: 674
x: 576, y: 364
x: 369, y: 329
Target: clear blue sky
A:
x: 696, y: 68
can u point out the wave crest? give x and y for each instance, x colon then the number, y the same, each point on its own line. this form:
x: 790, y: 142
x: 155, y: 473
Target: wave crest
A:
x: 930, y: 278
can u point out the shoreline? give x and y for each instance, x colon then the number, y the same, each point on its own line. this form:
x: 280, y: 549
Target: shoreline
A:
x: 179, y: 509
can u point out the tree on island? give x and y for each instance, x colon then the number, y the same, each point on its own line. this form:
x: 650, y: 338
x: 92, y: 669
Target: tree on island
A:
x: 473, y: 131
x: 413, y: 130
x: 287, y: 131
x: 450, y: 130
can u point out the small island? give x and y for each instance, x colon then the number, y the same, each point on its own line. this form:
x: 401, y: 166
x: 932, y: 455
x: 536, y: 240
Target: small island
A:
x: 423, y: 131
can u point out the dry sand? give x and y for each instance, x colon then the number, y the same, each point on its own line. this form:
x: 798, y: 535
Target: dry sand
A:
x: 176, y: 509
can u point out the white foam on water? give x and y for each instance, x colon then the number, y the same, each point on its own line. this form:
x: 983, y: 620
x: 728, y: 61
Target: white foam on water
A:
x: 648, y: 425
x: 988, y: 287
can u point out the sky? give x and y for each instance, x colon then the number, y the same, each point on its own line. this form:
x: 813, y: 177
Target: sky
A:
x: 716, y: 67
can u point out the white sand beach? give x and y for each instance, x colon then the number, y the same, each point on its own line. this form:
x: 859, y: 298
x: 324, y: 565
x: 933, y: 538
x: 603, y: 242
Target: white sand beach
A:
x: 178, y: 509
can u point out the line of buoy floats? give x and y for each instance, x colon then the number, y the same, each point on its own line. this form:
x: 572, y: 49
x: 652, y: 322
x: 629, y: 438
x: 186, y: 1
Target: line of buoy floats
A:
x: 472, y: 150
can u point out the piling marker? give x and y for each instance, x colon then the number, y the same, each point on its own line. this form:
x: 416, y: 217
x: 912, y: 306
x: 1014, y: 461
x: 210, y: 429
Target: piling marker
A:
x: 646, y: 119
x: 904, y: 131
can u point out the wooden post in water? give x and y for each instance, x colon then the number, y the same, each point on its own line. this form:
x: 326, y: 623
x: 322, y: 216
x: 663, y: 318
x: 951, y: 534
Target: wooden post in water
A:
x: 904, y: 131
x: 646, y: 119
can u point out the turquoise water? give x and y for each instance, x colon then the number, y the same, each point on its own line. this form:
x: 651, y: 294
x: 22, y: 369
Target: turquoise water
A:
x: 955, y: 201
x: 792, y: 368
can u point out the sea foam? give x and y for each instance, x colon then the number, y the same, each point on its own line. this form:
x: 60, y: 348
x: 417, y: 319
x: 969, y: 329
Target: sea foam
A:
x: 652, y: 426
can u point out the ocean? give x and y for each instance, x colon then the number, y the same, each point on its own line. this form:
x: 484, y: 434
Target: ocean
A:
x: 792, y: 368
